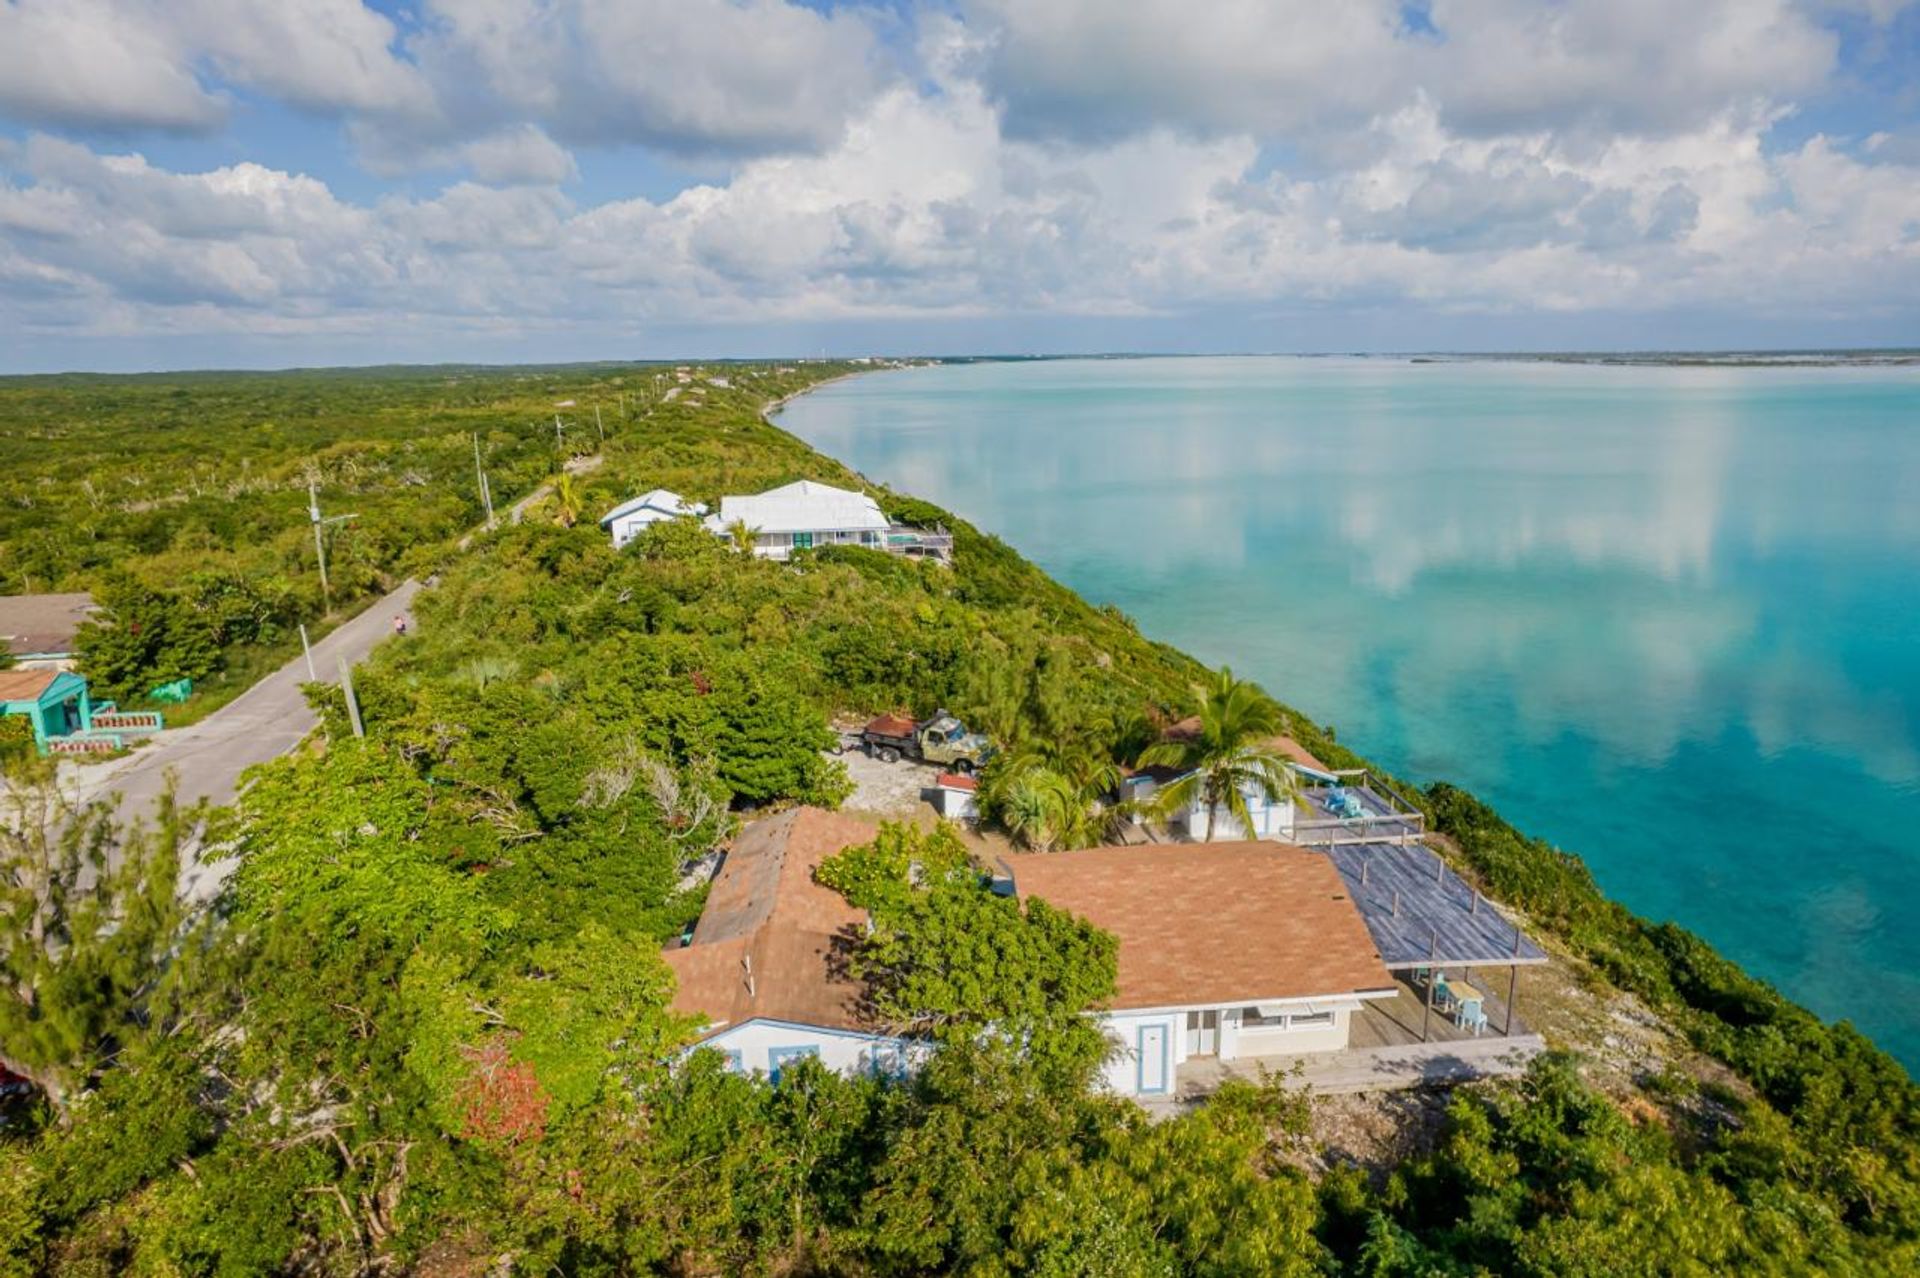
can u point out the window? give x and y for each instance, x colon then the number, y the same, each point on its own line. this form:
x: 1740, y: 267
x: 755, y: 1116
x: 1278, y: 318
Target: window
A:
x: 734, y: 1064
x: 1251, y: 1018
x: 886, y: 1060
x: 777, y: 1058
x: 803, y: 541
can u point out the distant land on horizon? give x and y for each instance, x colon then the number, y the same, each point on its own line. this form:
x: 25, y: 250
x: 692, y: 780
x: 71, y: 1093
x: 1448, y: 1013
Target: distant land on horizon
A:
x: 1782, y: 357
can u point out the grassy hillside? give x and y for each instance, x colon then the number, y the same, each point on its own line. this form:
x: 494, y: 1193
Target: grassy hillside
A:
x: 425, y: 1028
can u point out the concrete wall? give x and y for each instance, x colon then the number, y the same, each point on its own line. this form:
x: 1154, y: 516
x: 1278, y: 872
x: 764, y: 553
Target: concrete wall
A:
x: 752, y: 1045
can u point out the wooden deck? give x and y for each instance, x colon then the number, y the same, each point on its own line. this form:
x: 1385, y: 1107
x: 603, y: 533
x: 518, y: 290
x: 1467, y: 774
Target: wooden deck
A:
x: 1399, y: 1021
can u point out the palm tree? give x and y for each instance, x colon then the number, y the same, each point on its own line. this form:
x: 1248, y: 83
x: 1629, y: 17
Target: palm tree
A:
x: 1228, y: 755
x: 741, y: 536
x: 1049, y: 797
x: 566, y: 500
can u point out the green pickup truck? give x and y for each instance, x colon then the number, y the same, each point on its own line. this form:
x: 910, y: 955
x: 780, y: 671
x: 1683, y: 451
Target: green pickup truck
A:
x: 943, y: 739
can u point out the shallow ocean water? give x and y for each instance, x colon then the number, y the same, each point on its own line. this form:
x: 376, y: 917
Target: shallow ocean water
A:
x: 1668, y: 618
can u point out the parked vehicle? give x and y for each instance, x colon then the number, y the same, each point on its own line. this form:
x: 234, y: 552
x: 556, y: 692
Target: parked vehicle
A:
x: 943, y: 739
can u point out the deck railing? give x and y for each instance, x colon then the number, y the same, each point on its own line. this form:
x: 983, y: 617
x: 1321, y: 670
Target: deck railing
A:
x: 1388, y: 817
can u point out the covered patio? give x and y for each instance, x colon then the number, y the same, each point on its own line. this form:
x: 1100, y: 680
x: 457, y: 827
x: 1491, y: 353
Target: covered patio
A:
x: 1424, y: 919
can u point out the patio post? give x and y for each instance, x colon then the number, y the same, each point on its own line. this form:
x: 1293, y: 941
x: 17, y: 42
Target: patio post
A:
x: 1433, y: 949
x: 1513, y: 984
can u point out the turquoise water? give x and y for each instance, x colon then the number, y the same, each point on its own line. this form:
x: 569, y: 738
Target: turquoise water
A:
x: 1668, y: 618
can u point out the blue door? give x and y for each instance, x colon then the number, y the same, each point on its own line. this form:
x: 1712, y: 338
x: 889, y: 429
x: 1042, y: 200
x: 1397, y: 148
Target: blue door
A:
x: 1153, y: 1059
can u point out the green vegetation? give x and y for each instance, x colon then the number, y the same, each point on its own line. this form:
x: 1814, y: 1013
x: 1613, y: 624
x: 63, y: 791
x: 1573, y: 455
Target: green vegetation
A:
x: 425, y: 1029
x: 1229, y: 753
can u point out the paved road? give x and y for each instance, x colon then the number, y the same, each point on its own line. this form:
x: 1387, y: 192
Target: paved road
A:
x: 265, y: 721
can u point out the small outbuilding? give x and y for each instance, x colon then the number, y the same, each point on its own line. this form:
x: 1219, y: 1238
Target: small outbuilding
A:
x: 955, y: 797
x: 55, y: 702
x: 631, y: 518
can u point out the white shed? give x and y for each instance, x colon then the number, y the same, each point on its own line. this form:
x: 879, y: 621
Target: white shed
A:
x: 632, y: 517
x: 955, y: 797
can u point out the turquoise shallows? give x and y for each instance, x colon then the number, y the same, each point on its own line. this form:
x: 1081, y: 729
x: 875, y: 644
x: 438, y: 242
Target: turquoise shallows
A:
x: 1668, y: 618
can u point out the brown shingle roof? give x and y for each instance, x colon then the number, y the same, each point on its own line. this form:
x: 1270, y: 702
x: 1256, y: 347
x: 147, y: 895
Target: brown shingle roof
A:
x: 25, y: 685
x: 42, y: 623
x: 1214, y: 923
x: 766, y: 917
x: 1298, y: 753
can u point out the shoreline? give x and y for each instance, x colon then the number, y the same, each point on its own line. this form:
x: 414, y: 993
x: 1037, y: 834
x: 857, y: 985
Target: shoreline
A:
x: 1648, y: 920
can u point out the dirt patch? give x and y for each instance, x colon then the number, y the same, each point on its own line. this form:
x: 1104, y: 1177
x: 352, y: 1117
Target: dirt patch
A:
x: 1372, y: 1130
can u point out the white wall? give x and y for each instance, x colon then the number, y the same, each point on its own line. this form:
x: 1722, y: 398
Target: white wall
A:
x: 843, y: 1051
x: 955, y: 805
x: 629, y: 526
x: 1122, y: 1071
x: 780, y: 545
x: 1266, y: 1040
x: 1271, y: 820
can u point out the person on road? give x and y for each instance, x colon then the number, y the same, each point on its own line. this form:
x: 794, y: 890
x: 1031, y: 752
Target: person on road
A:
x: 399, y: 624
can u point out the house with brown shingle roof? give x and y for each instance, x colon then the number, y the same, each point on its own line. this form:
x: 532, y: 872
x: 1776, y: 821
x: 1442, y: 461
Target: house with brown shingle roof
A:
x: 766, y: 966
x: 1226, y: 950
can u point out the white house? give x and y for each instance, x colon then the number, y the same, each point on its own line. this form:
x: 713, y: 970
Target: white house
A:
x: 801, y: 515
x: 1272, y: 818
x: 766, y: 965
x: 1227, y: 950
x: 631, y: 518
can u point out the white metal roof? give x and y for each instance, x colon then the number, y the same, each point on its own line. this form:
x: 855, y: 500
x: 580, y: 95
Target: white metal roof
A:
x: 805, y: 506
x: 667, y: 503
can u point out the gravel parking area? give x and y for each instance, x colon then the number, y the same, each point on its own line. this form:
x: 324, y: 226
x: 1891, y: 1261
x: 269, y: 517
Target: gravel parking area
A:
x: 886, y: 789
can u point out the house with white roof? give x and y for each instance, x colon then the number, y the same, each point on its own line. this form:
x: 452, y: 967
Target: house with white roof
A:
x: 803, y: 515
x: 631, y: 518
x: 1227, y: 951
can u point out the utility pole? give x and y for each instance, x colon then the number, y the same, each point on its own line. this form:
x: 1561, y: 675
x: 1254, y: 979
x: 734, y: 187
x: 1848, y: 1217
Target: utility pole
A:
x: 480, y: 478
x: 596, y: 424
x: 353, y: 702
x: 313, y: 676
x: 556, y: 432
x: 320, y: 540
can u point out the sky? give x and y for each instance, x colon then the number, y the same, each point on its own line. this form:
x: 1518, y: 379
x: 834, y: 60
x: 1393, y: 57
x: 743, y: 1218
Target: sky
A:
x: 270, y: 183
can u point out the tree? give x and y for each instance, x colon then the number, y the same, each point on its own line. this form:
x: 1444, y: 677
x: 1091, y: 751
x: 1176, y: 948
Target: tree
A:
x: 1227, y: 755
x: 142, y: 637
x: 567, y: 500
x: 89, y: 919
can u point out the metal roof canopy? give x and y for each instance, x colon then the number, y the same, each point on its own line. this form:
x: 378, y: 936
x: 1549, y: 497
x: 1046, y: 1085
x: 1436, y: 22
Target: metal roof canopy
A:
x: 1422, y: 914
